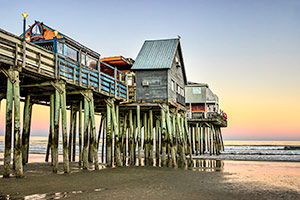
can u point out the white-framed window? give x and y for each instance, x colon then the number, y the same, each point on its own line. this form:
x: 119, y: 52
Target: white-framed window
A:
x: 197, y: 90
x: 172, y: 85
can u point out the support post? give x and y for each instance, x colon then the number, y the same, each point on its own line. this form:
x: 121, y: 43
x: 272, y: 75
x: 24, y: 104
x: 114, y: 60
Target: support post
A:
x: 74, y: 135
x: 151, y: 136
x: 93, y: 131
x: 26, y: 128
x: 157, y: 133
x: 56, y: 131
x: 131, y: 138
x: 17, y: 147
x: 163, y: 138
x: 85, y: 134
x: 63, y: 102
x: 80, y: 133
x: 108, y: 135
x: 8, y: 128
x: 138, y: 116
x: 146, y: 141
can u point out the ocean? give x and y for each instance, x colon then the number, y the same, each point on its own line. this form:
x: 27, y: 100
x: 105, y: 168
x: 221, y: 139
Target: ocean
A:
x: 234, y: 150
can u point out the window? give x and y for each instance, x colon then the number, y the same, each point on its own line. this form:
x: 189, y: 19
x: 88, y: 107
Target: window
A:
x: 173, y: 85
x: 91, y: 62
x: 71, y: 53
x: 197, y: 90
x: 83, y: 60
x: 178, y: 89
x: 60, y: 47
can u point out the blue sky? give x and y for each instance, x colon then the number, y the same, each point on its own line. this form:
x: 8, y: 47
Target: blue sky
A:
x: 246, y: 50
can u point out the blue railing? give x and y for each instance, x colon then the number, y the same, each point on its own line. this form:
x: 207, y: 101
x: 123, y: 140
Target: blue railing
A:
x: 83, y: 75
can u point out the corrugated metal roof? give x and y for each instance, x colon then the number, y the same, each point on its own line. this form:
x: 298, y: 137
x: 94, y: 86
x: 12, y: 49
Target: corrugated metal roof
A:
x: 156, y: 54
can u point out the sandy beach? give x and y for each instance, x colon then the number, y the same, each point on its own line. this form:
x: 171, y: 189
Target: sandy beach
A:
x: 233, y: 180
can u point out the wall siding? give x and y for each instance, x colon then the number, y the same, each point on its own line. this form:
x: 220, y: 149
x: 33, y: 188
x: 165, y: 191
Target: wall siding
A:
x: 175, y: 74
x: 158, y: 85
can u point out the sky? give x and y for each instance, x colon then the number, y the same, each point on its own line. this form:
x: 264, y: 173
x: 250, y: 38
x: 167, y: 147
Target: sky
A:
x: 248, y: 51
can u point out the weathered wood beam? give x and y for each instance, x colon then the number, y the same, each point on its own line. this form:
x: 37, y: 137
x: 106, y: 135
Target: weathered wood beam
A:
x: 93, y: 132
x: 63, y: 101
x: 8, y: 128
x: 17, y: 147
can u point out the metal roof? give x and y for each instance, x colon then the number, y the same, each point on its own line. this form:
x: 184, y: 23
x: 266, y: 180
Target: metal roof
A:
x: 156, y: 54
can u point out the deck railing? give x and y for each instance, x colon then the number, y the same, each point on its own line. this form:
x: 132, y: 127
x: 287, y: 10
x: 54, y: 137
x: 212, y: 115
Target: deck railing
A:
x: 14, y: 51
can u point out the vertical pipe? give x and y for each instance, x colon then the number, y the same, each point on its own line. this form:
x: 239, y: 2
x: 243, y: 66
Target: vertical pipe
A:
x: 80, y: 133
x: 85, y: 133
x: 64, y: 129
x: 8, y: 128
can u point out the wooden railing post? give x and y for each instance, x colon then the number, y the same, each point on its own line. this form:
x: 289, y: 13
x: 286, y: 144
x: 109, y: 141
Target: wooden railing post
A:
x: 99, y: 75
x: 24, y: 53
x: 127, y: 92
x: 115, y: 75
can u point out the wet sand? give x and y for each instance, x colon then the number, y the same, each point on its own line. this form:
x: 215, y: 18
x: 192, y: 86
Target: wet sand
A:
x: 206, y: 180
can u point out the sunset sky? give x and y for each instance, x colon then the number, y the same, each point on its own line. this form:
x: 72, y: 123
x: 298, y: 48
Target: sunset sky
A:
x: 248, y: 51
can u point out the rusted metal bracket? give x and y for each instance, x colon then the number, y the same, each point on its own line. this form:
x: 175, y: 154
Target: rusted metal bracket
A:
x: 55, y: 85
x: 5, y: 72
x: 86, y: 94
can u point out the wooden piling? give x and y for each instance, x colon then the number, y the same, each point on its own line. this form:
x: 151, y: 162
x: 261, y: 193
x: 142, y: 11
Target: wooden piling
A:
x: 56, y: 131
x: 146, y: 142
x: 163, y: 139
x: 52, y: 103
x: 17, y: 147
x: 188, y: 139
x: 131, y: 139
x: 74, y: 135
x: 108, y: 135
x: 157, y: 138
x: 181, y: 148
x: 117, y: 139
x: 124, y: 133
x: 197, y: 138
x: 171, y: 133
x: 93, y: 131
x: 85, y: 133
x: 8, y: 128
x: 138, y: 116
x: 80, y: 133
x: 70, y: 132
x: 150, y: 133
x: 64, y: 129
x: 26, y: 125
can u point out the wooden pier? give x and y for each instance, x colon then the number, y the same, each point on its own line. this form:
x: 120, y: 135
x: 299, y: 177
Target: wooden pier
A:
x: 133, y: 124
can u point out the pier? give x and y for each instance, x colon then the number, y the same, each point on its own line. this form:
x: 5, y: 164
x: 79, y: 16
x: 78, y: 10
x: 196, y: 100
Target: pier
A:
x: 141, y: 103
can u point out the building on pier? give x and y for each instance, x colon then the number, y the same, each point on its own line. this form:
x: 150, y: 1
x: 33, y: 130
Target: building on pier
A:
x: 202, y: 103
x: 160, y: 73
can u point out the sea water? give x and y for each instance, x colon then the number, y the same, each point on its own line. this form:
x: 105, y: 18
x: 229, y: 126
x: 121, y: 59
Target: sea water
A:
x: 234, y: 150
